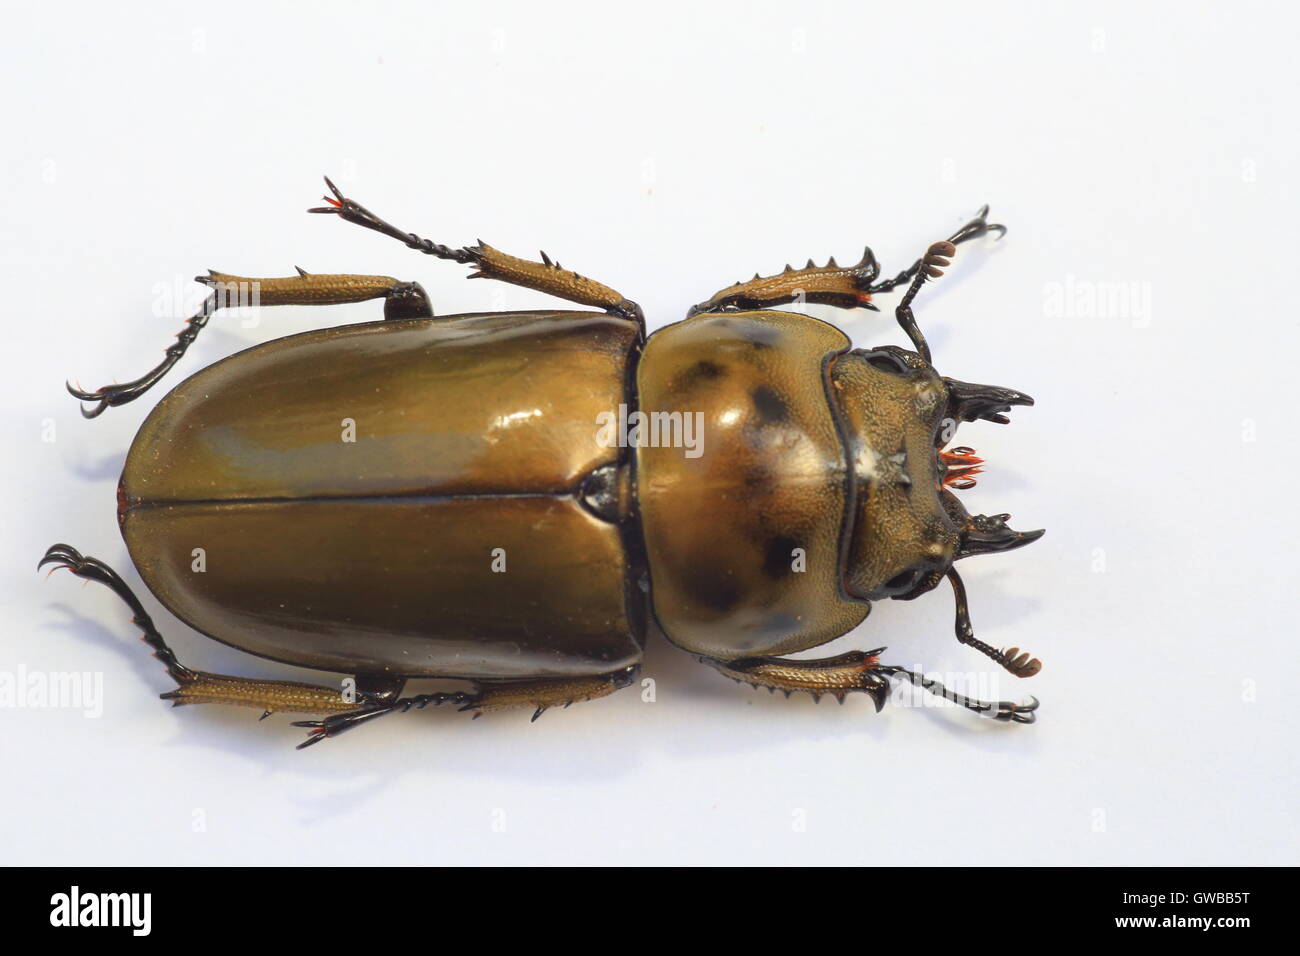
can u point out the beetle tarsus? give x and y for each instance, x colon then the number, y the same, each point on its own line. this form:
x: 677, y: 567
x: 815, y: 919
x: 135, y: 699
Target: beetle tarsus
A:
x: 351, y: 211
x: 1017, y: 713
x: 539, y: 694
x: 851, y: 287
x: 930, y: 266
x: 92, y: 569
x: 201, y: 687
x: 546, y: 276
x: 1004, y: 711
x: 977, y: 227
x: 111, y: 396
x: 402, y: 300
x: 335, y: 724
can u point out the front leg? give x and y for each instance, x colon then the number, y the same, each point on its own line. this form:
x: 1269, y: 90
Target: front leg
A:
x: 1003, y: 710
x: 849, y: 287
x: 856, y: 671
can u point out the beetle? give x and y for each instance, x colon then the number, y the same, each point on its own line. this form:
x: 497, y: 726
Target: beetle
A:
x: 476, y: 524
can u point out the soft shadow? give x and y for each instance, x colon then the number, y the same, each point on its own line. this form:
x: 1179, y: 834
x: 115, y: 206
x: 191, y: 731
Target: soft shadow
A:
x: 589, y: 744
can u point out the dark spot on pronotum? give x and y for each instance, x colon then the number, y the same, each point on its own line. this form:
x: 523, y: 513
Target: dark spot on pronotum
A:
x: 779, y: 626
x: 770, y: 405
x: 761, y: 336
x: 712, y: 587
x: 759, y: 480
x: 778, y: 556
x: 697, y: 374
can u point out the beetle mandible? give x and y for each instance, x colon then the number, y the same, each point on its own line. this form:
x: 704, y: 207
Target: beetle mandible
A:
x: 477, y: 524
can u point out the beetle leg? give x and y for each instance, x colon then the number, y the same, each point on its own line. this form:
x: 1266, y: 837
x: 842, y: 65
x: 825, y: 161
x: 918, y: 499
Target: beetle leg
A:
x: 854, y: 671
x: 848, y: 287
x: 1006, y: 711
x: 545, y: 693
x: 545, y: 276
x: 931, y: 266
x: 487, y: 696
x: 200, y: 687
x: 119, y: 394
x: 402, y: 300
x: 335, y: 724
x: 92, y: 569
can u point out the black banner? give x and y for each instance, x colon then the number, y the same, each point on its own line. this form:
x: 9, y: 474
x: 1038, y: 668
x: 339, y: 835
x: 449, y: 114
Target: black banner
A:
x: 308, y: 905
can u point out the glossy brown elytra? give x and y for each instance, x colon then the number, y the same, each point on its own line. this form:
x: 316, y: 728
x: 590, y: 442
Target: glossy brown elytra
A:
x: 519, y: 499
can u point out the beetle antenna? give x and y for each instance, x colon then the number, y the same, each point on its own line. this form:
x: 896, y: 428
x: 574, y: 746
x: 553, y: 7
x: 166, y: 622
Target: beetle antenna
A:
x: 1020, y: 664
x: 932, y: 264
x: 977, y: 227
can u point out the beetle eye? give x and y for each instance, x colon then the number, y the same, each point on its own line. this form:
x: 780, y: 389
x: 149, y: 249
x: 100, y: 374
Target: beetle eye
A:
x: 903, y: 581
x: 886, y: 361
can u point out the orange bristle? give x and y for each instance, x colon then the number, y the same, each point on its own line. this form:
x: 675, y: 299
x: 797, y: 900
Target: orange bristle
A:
x: 962, y: 465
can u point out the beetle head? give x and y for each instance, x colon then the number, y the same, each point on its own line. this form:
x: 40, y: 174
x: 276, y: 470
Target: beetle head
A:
x: 900, y: 418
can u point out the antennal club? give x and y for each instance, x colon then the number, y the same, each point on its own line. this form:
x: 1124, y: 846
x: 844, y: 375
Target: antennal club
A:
x: 1018, y: 663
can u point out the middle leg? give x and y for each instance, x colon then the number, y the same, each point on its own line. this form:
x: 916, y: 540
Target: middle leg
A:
x: 545, y: 276
x: 402, y: 300
x: 540, y: 694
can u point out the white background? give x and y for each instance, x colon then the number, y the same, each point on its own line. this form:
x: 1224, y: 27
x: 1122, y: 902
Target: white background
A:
x: 670, y: 150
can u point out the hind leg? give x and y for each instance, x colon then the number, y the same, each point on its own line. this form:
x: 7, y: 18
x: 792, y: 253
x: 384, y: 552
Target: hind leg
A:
x: 374, y: 696
x: 200, y: 687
